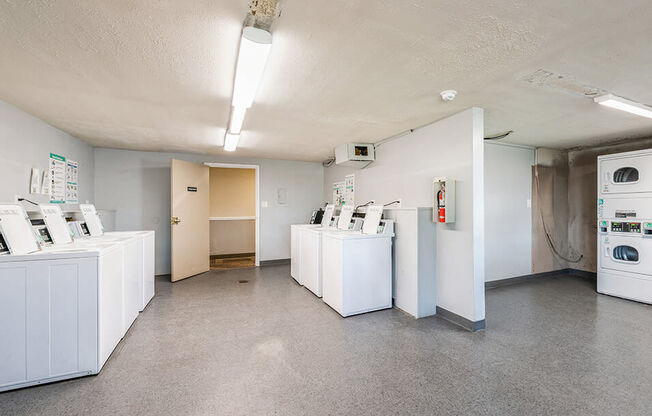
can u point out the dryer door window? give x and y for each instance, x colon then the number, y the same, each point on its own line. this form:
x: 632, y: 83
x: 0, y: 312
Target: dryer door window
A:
x: 626, y: 254
x: 626, y: 175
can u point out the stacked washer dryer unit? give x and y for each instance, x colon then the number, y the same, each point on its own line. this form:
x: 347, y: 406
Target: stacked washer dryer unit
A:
x: 625, y: 225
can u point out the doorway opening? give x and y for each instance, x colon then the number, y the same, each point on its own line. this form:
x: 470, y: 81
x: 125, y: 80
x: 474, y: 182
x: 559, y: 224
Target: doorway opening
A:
x: 233, y: 217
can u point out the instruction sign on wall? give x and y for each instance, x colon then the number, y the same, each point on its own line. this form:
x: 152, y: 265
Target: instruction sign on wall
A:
x: 349, y: 189
x: 57, y: 178
x: 338, y: 193
x: 72, y: 176
x: 62, y: 179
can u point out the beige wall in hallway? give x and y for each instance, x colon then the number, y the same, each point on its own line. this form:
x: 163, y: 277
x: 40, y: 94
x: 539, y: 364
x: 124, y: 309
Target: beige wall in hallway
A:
x: 233, y: 237
x: 233, y: 192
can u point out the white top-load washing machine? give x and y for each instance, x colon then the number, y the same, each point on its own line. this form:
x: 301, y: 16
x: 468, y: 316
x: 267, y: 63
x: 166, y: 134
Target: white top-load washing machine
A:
x: 131, y: 277
x: 144, y: 256
x: 357, y: 266
x: 146, y: 243
x: 295, y: 241
x: 60, y: 306
x: 311, y: 246
x: 625, y: 225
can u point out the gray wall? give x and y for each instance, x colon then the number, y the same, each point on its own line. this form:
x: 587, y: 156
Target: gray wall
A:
x: 404, y: 169
x: 508, y: 217
x: 26, y: 143
x: 137, y: 186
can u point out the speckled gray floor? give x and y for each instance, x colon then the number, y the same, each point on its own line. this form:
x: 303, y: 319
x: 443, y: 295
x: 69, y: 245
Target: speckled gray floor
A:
x: 211, y: 346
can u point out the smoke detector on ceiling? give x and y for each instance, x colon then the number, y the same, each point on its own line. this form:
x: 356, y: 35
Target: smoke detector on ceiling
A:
x: 448, y: 95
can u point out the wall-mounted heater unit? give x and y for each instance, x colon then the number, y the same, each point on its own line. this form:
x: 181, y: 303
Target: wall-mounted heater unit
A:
x: 354, y: 155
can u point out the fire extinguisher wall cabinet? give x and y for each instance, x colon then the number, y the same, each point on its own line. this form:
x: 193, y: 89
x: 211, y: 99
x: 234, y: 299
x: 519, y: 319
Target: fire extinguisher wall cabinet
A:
x: 443, y: 196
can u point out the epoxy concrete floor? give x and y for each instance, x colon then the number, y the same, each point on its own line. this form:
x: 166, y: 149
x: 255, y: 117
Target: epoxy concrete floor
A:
x: 212, y: 346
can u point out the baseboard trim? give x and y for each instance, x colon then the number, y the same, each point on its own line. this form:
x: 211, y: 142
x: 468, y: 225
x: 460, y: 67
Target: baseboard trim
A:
x: 228, y: 256
x: 461, y: 321
x: 276, y: 262
x: 520, y: 279
x: 583, y: 273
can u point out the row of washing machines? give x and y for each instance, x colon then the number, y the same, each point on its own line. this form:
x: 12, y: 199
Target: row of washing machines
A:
x: 345, y: 260
x: 69, y: 292
x: 625, y: 225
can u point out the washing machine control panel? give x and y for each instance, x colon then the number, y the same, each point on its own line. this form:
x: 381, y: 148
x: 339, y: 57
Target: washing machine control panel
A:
x: 626, y: 227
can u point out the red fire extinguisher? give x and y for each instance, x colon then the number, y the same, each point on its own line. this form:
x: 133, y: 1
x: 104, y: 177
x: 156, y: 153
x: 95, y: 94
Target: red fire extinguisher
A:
x: 441, y: 205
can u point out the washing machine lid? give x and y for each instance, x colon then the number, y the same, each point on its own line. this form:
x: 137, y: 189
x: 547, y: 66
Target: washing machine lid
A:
x: 92, y: 219
x: 17, y: 230
x: 56, y: 224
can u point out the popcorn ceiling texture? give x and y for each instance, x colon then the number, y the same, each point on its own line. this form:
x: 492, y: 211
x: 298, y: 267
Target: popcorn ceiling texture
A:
x: 263, y: 13
x: 154, y: 75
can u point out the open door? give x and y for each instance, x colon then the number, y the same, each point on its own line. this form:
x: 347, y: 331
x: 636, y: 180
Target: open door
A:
x: 189, y: 219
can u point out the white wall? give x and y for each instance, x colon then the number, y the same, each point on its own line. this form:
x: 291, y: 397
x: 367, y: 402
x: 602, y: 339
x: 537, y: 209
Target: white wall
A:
x: 508, y: 217
x: 404, y: 169
x: 137, y: 186
x: 26, y: 143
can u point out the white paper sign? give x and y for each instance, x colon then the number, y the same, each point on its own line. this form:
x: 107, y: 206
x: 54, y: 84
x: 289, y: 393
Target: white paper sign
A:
x: 372, y: 219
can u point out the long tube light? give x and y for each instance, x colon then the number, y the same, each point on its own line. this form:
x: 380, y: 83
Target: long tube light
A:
x: 623, y: 104
x: 237, y: 118
x: 231, y: 142
x: 255, y: 46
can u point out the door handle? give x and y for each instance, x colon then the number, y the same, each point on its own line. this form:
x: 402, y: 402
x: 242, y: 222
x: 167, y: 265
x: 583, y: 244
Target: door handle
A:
x: 174, y: 220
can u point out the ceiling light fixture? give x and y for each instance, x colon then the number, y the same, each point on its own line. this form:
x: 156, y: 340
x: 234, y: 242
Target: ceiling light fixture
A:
x: 623, y: 104
x: 231, y: 142
x: 237, y: 118
x: 255, y: 46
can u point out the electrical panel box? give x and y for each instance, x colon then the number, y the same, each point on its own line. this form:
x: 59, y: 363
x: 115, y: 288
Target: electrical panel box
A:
x: 443, y: 194
x: 354, y: 154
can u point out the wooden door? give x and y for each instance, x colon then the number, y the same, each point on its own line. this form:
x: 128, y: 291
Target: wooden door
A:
x: 189, y: 219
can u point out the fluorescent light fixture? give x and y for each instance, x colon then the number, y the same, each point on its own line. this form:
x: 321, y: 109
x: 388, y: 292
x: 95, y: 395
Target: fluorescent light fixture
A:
x: 237, y: 118
x: 231, y: 142
x: 254, y: 50
x: 623, y: 104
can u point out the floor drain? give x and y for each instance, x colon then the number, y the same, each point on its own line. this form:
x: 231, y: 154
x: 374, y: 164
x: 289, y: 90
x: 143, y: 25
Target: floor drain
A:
x: 243, y: 281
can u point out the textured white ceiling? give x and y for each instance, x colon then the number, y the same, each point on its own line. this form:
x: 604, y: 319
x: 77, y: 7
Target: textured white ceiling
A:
x: 158, y: 75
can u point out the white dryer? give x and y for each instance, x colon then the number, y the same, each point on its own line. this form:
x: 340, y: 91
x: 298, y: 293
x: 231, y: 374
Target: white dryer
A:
x: 625, y: 259
x: 626, y: 174
x: 625, y: 225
